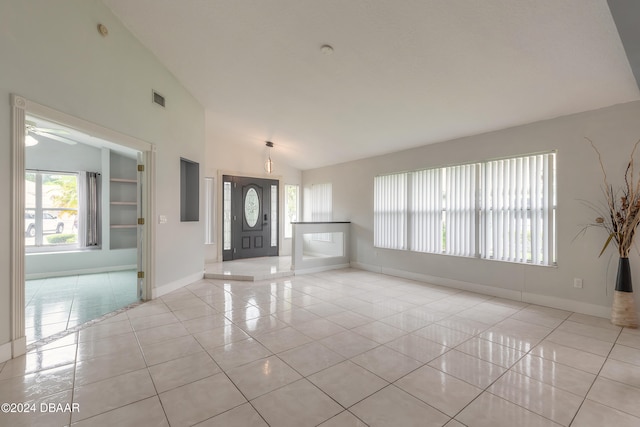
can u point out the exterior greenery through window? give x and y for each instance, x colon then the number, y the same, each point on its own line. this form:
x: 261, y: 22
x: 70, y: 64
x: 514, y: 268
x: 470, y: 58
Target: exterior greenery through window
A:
x: 291, y: 208
x: 500, y: 209
x: 51, y: 209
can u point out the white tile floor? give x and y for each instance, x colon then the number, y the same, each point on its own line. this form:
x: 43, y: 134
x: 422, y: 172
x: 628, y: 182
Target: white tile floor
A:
x: 250, y: 269
x: 341, y: 348
x: 56, y: 304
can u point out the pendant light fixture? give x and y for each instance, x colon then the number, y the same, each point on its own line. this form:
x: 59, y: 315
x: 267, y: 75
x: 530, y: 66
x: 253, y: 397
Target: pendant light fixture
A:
x: 268, y: 165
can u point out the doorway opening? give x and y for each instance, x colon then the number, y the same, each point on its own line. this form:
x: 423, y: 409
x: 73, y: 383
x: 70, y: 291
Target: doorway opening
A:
x: 76, y: 269
x: 250, y: 217
x: 81, y: 245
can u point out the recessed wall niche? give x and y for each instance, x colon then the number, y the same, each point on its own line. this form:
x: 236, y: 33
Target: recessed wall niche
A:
x: 189, y: 190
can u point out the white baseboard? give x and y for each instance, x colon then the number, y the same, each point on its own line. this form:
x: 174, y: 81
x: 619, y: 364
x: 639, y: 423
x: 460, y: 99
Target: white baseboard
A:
x: 96, y: 270
x: 456, y: 284
x: 5, y: 352
x: 569, y: 305
x: 19, y: 346
x: 320, y: 269
x: 366, y: 267
x: 13, y: 349
x: 544, y: 300
x: 176, y: 284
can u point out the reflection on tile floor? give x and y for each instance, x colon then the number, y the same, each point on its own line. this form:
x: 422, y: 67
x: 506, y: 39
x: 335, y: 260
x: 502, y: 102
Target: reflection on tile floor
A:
x: 250, y: 269
x: 56, y: 304
x: 340, y: 348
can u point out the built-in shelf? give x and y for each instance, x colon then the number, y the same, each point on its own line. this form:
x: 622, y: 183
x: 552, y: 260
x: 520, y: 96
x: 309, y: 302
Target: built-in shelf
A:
x: 123, y: 204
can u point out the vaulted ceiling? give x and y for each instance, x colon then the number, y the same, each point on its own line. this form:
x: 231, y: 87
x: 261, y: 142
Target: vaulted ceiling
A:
x: 402, y: 73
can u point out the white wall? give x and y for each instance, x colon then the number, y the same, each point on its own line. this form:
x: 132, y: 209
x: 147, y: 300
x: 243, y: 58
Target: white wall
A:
x: 614, y: 130
x: 315, y: 247
x: 54, y: 155
x: 236, y: 155
x: 52, y: 54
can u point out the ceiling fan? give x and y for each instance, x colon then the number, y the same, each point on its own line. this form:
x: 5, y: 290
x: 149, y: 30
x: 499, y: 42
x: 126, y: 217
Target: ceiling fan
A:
x: 55, y: 134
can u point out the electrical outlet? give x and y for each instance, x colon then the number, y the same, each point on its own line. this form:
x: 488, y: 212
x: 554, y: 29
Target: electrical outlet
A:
x: 577, y: 283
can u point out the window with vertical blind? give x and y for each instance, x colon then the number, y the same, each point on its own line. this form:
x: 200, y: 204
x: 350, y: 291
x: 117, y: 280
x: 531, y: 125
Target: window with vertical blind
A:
x: 518, y: 209
x: 322, y: 207
x: 391, y: 211
x: 500, y: 209
x: 321, y: 202
x: 460, y: 210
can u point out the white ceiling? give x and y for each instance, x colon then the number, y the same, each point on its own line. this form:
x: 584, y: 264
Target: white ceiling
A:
x: 404, y: 73
x: 47, y: 130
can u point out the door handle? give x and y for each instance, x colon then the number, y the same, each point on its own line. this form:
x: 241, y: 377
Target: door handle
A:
x: 265, y: 217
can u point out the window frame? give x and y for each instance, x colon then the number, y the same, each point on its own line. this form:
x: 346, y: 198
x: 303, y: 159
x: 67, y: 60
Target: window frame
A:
x: 473, y: 223
x: 210, y: 210
x: 288, y: 228
x: 322, y: 196
x: 40, y: 210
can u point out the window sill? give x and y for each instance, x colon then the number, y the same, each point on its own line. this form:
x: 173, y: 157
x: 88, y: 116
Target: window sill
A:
x: 60, y: 250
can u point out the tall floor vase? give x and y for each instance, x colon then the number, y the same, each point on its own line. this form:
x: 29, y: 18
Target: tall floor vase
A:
x: 623, y: 312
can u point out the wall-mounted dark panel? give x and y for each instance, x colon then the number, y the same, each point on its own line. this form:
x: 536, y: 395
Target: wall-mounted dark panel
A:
x: 189, y: 190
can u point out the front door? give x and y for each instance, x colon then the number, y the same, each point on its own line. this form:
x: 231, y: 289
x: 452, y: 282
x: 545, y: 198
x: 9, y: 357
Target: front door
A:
x: 251, y: 214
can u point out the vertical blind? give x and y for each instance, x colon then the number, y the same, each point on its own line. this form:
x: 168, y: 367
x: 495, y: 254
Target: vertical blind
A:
x: 426, y: 211
x: 321, y: 202
x: 390, y: 211
x: 322, y: 207
x: 502, y: 210
x: 517, y: 209
x: 460, y: 210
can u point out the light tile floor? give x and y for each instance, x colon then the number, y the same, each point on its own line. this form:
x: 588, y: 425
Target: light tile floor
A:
x: 264, y: 268
x: 56, y: 304
x: 341, y: 348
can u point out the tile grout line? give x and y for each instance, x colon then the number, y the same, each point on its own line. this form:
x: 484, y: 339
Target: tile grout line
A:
x: 146, y: 364
x: 75, y: 368
x: 596, y: 379
x: 528, y: 353
x: 206, y: 352
x: 486, y: 389
x: 302, y: 377
x: 406, y: 333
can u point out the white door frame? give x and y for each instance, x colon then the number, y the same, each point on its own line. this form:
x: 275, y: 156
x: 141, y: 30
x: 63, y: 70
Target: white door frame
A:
x: 220, y: 206
x: 20, y: 107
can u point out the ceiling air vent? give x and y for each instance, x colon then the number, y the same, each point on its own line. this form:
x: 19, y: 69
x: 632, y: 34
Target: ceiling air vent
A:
x: 158, y: 99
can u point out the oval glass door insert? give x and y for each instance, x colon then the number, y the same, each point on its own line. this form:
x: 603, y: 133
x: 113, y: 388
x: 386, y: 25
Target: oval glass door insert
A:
x: 251, y: 207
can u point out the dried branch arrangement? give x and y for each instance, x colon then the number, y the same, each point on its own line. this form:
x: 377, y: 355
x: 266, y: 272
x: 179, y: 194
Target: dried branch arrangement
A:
x: 621, y: 215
